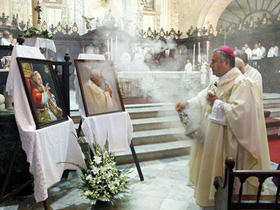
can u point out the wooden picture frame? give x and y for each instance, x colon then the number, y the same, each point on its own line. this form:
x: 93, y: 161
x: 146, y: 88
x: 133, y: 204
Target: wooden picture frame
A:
x: 42, y: 91
x: 99, y: 87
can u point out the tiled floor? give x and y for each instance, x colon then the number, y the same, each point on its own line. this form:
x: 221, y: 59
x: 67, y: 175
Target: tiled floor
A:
x: 164, y: 188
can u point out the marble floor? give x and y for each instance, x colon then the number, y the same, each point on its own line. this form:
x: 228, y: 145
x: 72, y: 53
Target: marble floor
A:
x: 164, y: 188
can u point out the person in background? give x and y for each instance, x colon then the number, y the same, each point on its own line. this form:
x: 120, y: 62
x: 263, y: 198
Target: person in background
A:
x: 240, y: 64
x: 188, y: 66
x: 5, y: 40
x: 235, y: 49
x: 250, y: 71
x: 231, y: 123
x: 273, y: 51
x: 256, y: 53
x: 263, y: 50
x: 248, y: 51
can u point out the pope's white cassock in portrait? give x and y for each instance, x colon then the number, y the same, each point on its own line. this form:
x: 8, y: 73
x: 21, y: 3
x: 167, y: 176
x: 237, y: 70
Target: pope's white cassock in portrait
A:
x: 234, y: 127
x: 97, y: 99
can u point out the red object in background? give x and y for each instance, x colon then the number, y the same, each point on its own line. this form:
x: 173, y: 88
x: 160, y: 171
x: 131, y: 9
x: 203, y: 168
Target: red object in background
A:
x: 274, y: 150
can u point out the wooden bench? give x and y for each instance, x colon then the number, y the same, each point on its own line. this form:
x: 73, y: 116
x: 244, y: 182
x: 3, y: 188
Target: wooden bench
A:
x: 226, y: 200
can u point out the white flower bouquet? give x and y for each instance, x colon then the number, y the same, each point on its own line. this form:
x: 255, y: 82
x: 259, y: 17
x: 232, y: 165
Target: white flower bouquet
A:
x: 102, y: 180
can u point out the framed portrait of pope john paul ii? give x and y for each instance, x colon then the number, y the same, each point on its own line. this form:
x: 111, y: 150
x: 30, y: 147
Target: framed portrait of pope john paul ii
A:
x: 99, y: 87
x: 42, y: 91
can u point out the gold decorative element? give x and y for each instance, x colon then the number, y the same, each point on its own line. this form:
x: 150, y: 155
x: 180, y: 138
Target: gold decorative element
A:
x: 251, y: 25
x: 44, y: 27
x: 59, y: 27
x: 278, y: 18
x: 149, y: 32
x: 27, y: 69
x: 75, y: 29
x: 161, y: 33
x: 240, y: 27
x: 264, y: 20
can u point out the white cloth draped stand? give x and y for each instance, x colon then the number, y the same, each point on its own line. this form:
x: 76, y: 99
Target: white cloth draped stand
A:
x: 47, y: 149
x: 115, y: 127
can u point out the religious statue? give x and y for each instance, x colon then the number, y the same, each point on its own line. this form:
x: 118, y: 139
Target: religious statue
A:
x: 88, y: 22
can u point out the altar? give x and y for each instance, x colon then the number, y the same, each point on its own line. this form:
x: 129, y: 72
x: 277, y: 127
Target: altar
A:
x: 161, y: 86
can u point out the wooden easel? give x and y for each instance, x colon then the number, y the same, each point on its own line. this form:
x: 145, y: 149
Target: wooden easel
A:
x: 135, y: 158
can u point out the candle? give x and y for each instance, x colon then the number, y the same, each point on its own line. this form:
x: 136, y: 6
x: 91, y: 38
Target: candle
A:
x: 193, y: 56
x: 116, y: 45
x: 199, y: 54
x: 108, y: 49
x: 112, y: 56
x: 207, y: 50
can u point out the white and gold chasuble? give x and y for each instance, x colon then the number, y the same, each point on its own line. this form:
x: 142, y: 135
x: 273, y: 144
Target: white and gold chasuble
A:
x: 243, y: 133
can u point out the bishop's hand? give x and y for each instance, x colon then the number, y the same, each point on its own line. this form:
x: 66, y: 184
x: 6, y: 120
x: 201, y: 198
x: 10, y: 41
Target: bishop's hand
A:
x: 180, y: 106
x: 211, y: 98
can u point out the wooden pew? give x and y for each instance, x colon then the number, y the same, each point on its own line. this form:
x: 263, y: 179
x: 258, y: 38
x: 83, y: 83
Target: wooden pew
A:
x: 226, y: 200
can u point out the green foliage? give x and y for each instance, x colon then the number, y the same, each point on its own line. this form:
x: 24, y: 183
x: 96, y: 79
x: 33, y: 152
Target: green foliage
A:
x: 35, y: 33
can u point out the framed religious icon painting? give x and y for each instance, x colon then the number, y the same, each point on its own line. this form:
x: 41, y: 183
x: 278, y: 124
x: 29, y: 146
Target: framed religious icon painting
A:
x: 99, y: 87
x: 42, y: 90
x: 149, y: 5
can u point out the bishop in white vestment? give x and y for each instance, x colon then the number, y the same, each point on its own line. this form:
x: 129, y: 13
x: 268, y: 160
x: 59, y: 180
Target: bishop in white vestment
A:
x: 231, y: 123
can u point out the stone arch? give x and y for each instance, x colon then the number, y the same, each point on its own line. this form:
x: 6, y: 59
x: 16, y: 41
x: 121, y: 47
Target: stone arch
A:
x: 211, y: 12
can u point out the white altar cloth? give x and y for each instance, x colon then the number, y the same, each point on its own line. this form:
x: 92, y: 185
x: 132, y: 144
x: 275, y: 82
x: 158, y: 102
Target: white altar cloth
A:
x: 116, y: 127
x: 47, y: 147
x: 40, y: 43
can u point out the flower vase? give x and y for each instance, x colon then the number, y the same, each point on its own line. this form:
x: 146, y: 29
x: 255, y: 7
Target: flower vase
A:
x: 100, y: 204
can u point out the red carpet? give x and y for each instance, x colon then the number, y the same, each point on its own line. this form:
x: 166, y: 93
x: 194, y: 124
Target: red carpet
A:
x: 274, y: 150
